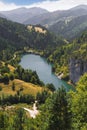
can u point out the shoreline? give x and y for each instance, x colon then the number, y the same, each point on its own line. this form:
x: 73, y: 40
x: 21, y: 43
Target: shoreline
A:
x: 59, y: 76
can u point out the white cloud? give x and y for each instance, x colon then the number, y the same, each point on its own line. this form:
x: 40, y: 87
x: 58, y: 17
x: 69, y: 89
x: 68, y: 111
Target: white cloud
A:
x: 59, y: 4
x: 47, y: 4
x: 6, y: 6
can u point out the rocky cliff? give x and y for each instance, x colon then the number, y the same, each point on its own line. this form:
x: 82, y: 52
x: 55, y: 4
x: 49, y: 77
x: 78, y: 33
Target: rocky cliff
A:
x: 77, y: 68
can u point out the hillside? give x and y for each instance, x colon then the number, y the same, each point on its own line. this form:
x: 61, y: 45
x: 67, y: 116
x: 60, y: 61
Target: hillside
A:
x: 2, y: 16
x: 66, y: 22
x: 62, y: 22
x: 69, y: 23
x: 22, y: 14
x: 19, y: 36
x: 70, y: 28
x: 51, y: 18
x: 26, y: 88
x: 12, y: 84
x: 15, y: 37
x: 71, y: 59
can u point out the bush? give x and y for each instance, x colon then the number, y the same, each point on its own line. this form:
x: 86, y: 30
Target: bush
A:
x: 13, y: 86
x: 11, y: 76
x: 6, y: 78
x: 51, y: 87
x: 0, y: 88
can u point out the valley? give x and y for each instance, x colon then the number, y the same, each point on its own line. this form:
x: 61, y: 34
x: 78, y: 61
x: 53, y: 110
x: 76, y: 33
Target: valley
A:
x: 40, y: 53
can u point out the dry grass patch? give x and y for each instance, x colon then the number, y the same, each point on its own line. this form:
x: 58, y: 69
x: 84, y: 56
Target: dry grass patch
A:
x: 11, y: 68
x: 37, y: 29
x: 27, y: 88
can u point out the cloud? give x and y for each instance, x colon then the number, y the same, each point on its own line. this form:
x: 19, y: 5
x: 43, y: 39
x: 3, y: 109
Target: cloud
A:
x: 6, y: 6
x: 53, y: 5
x: 50, y: 5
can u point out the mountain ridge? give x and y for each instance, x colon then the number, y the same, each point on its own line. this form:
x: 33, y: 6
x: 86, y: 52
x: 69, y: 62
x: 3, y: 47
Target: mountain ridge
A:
x: 70, y: 28
x: 21, y: 14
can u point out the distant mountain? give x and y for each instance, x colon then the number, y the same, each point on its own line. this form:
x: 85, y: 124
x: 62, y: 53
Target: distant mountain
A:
x: 41, y: 16
x: 80, y: 7
x: 70, y: 28
x: 22, y: 14
x: 67, y: 23
x: 51, y: 18
x: 2, y: 16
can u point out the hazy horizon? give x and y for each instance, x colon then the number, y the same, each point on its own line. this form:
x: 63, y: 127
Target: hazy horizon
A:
x: 50, y: 5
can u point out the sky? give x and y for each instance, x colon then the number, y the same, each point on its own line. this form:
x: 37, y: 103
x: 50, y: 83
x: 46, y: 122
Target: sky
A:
x: 50, y: 5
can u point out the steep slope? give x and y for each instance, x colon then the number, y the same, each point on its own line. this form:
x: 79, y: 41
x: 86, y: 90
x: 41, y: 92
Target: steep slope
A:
x: 15, y: 37
x: 71, y: 59
x: 70, y: 28
x: 78, y: 59
x: 22, y: 14
x: 51, y: 18
x: 11, y: 33
x: 80, y: 7
x: 2, y: 16
x: 41, y: 16
x: 19, y: 35
x: 69, y: 23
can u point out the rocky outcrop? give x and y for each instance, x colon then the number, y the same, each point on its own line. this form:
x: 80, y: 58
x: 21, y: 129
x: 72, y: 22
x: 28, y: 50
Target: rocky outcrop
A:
x: 77, y: 68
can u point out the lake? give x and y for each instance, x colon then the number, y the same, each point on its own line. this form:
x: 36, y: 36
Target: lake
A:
x: 43, y: 69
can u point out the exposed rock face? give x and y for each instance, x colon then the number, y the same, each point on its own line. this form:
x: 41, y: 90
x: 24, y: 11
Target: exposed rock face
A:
x: 77, y: 68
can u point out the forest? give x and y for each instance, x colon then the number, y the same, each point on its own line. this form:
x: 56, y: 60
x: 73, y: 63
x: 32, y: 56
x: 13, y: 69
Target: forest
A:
x: 60, y: 111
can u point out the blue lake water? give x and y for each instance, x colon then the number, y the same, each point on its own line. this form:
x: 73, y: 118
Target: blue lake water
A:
x: 43, y: 69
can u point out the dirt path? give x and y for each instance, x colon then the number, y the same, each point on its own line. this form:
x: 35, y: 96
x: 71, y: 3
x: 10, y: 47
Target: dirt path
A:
x: 33, y: 112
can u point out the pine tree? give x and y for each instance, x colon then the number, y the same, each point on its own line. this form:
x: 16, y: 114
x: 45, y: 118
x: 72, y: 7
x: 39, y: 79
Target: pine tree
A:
x: 19, y: 119
x: 59, y: 114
